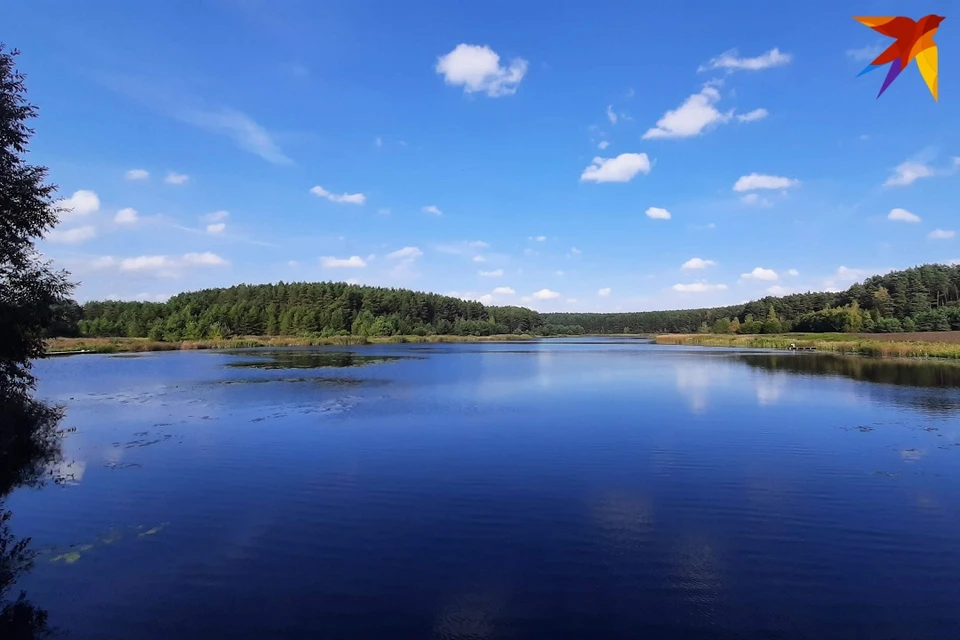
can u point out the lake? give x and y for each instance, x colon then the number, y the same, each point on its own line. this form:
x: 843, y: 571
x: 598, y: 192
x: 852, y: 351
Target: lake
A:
x: 577, y: 488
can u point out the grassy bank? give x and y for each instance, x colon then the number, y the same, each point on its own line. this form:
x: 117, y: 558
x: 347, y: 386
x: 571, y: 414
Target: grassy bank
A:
x: 63, y: 346
x: 891, y: 345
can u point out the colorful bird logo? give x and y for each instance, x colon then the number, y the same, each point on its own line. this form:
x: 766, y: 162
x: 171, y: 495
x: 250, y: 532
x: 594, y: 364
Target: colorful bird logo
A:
x: 914, y: 40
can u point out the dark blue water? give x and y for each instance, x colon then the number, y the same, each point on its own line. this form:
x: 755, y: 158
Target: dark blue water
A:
x: 568, y: 489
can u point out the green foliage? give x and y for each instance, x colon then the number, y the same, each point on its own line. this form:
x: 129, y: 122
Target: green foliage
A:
x: 323, y: 309
x: 722, y: 325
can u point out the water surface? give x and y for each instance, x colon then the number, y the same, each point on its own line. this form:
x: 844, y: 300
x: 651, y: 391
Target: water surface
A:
x: 557, y: 489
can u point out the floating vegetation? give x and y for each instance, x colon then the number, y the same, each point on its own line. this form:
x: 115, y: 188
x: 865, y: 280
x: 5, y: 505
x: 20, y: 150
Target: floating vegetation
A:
x: 153, y: 531
x: 122, y: 465
x: 887, y: 474
x: 70, y: 557
x: 304, y: 359
x: 76, y: 551
x: 862, y: 428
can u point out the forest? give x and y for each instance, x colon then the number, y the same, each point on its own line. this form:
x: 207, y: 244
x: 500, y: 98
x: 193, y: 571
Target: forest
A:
x: 924, y: 298
x: 323, y: 309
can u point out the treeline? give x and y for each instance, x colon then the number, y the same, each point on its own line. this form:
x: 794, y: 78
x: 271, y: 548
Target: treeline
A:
x: 324, y: 309
x: 924, y: 298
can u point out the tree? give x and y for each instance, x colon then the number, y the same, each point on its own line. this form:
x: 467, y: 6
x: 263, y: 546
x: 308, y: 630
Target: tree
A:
x: 30, y: 290
x: 722, y: 325
x: 735, y: 325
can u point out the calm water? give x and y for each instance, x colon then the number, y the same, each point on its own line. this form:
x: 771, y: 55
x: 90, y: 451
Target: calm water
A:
x: 575, y: 489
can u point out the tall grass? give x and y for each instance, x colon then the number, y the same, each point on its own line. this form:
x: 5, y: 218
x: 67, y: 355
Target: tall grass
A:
x: 836, y: 343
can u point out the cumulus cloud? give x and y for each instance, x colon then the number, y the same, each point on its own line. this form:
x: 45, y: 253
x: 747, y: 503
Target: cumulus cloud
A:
x: 759, y: 273
x: 216, y: 227
x: 753, y: 116
x: 656, y: 213
x: 604, y: 292
x: 496, y: 273
x: 697, y: 263
x: 405, y: 253
x: 730, y: 61
x: 546, y: 294
x: 696, y: 115
x: 127, y: 215
x: 611, y: 115
x: 432, y: 209
x: 347, y: 198
x: 477, y: 69
x: 941, y: 234
x: 698, y: 287
x: 479, y: 258
x: 503, y: 291
x: 338, y: 263
x: 603, y: 144
x: 81, y: 203
x: 137, y: 174
x: 793, y: 272
x: 620, y: 169
x: 575, y: 251
x: 906, y: 173
x: 176, y: 178
x: 902, y: 215
x: 760, y: 181
x: 72, y: 236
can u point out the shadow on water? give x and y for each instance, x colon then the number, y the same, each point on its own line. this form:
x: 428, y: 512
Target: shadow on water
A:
x: 927, y: 379
x: 29, y: 447
x: 302, y: 359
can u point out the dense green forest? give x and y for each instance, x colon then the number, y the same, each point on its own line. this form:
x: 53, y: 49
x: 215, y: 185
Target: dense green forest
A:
x: 325, y: 309
x: 925, y: 298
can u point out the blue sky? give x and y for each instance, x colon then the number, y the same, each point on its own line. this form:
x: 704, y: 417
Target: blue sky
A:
x: 501, y: 152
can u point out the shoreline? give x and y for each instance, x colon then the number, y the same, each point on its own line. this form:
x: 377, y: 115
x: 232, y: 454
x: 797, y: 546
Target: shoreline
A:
x: 839, y: 343
x: 77, y: 346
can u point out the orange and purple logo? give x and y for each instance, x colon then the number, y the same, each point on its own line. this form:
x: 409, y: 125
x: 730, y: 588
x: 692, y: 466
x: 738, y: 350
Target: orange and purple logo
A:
x: 914, y: 41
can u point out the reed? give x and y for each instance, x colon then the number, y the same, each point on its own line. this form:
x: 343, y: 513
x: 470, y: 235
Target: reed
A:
x: 836, y: 343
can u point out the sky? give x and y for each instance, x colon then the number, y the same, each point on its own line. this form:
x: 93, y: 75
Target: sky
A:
x: 605, y: 156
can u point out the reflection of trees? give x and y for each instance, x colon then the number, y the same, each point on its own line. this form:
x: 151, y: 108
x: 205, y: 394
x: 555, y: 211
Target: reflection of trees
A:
x: 923, y: 376
x: 29, y: 444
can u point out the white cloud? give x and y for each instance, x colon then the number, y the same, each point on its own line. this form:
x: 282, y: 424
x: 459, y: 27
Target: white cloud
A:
x: 761, y: 181
x: 530, y: 252
x: 546, y: 294
x: 942, y: 234
x: 865, y: 54
x: 479, y: 259
x: 730, y: 61
x: 753, y: 116
x: 160, y: 265
x: 906, y: 173
x: 605, y: 292
x: 496, y: 273
x: 503, y: 291
x: 176, y: 178
x: 793, y: 272
x: 480, y: 244
x: 611, y: 116
x: 371, y: 257
x: 693, y: 117
x: 777, y: 290
x: 336, y: 263
x: 575, y: 251
x: 126, y: 216
x: 697, y: 263
x: 81, y: 203
x: 216, y: 216
x: 657, y: 213
x: 241, y: 128
x: 538, y: 238
x: 72, y: 236
x: 759, y: 273
x: 137, y: 174
x: 620, y: 169
x: 698, y: 287
x: 152, y: 297
x: 405, y: 253
x: 754, y: 199
x: 347, y: 198
x: 603, y: 144
x: 477, y: 69
x: 432, y: 209
x: 216, y: 227
x: 384, y: 211
x: 902, y: 215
